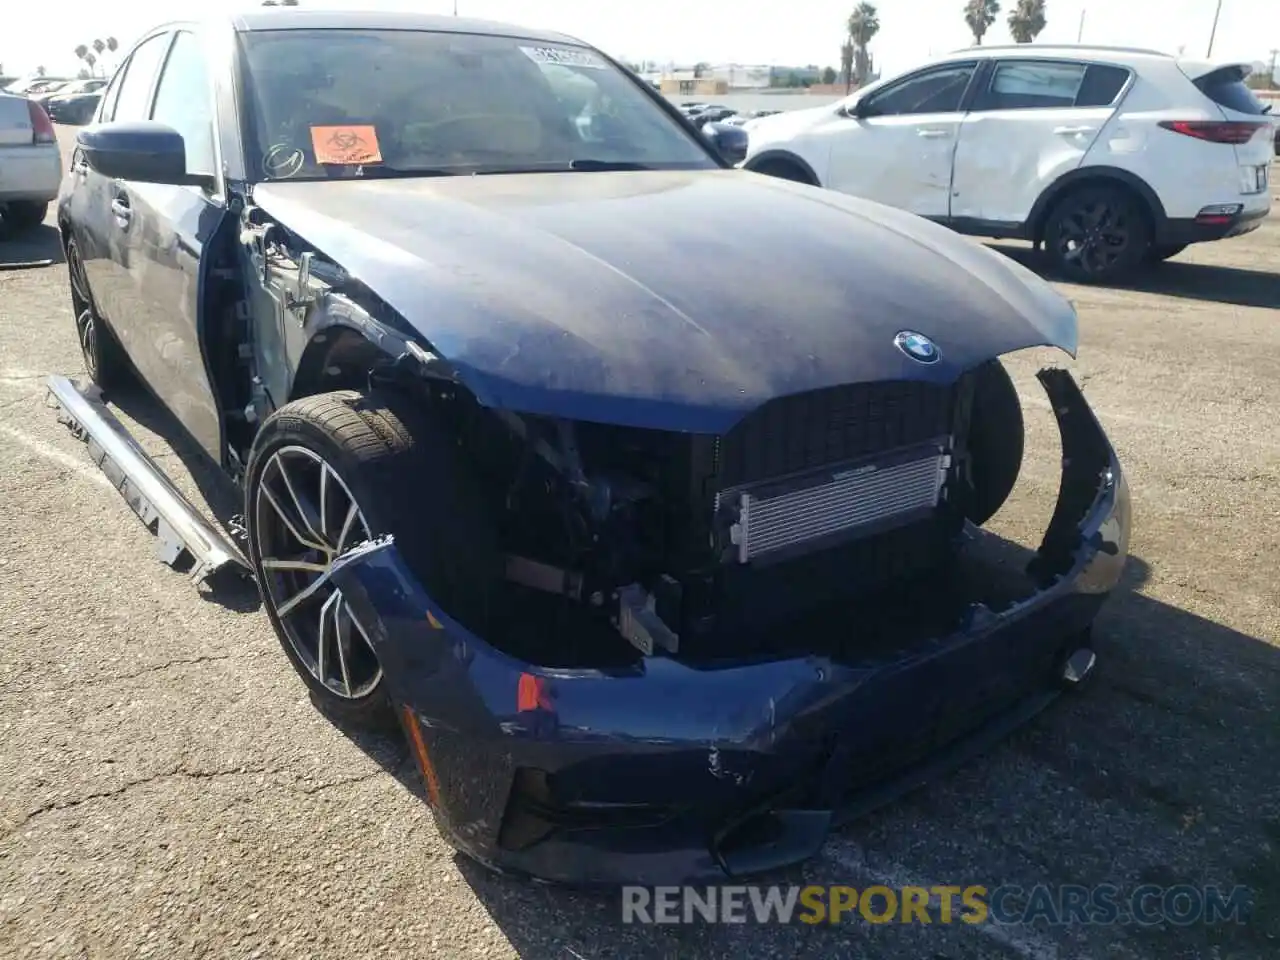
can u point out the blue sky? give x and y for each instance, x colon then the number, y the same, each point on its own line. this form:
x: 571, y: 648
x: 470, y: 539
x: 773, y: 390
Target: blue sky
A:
x: 746, y: 31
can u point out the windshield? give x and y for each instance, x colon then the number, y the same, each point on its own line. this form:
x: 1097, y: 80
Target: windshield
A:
x: 339, y: 103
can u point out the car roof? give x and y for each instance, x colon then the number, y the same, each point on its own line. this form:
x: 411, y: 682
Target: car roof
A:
x: 1131, y: 56
x: 303, y: 18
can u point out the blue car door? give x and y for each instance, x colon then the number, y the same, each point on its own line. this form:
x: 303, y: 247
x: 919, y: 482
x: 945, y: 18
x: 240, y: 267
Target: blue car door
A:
x: 97, y: 230
x: 168, y: 228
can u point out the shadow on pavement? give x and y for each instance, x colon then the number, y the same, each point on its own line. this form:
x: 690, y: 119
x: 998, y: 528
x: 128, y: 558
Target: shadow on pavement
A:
x: 1175, y: 743
x: 218, y: 492
x: 29, y: 249
x: 1178, y: 278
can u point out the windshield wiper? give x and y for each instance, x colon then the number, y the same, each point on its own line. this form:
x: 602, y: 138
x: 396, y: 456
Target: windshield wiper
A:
x: 591, y: 164
x: 381, y: 171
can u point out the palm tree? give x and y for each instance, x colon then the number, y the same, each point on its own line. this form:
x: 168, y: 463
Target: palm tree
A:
x: 90, y: 59
x: 81, y: 51
x: 846, y: 64
x: 1026, y: 20
x: 979, y: 15
x: 863, y: 25
x: 40, y: 71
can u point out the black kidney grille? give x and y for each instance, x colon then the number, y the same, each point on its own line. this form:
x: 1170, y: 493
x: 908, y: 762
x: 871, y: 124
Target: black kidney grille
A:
x: 809, y: 430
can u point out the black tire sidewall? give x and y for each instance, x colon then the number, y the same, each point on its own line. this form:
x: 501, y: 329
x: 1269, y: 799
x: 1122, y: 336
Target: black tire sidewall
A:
x: 996, y: 442
x: 109, y: 367
x: 1139, y: 233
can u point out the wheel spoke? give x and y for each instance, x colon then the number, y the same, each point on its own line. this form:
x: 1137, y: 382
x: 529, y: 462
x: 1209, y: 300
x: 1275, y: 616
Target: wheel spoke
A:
x: 308, y: 591
x: 302, y: 506
x: 308, y: 566
x: 327, y: 612
x: 342, y: 621
x: 288, y: 522
x: 352, y: 513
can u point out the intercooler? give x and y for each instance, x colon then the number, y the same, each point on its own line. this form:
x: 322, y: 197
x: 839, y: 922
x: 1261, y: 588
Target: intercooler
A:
x: 772, y: 520
x: 811, y: 469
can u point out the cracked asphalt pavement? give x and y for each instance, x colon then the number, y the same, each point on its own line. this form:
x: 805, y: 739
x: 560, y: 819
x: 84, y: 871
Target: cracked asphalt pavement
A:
x: 167, y: 789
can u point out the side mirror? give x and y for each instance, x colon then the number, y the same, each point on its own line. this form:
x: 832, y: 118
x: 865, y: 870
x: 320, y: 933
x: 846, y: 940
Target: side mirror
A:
x: 728, y: 140
x: 858, y: 110
x: 145, y: 151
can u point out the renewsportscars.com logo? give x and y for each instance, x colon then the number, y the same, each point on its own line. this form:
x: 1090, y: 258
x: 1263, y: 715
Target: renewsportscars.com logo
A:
x: 1008, y: 904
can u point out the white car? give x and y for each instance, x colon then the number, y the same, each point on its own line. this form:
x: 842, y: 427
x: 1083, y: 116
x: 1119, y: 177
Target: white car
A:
x: 1107, y: 157
x: 30, y: 164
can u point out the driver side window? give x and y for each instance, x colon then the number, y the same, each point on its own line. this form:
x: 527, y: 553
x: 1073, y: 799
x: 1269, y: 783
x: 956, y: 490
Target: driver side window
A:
x: 184, y: 102
x: 935, y: 91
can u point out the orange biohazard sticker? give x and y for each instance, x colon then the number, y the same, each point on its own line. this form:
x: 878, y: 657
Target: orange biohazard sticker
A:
x: 349, y: 144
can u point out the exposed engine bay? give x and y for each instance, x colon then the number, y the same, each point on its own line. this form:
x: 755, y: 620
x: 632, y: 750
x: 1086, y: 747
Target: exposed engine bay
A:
x: 678, y: 541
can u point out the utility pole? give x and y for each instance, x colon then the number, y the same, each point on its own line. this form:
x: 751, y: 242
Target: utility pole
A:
x: 1214, y: 32
x: 455, y: 7
x: 1080, y: 32
x: 1271, y: 74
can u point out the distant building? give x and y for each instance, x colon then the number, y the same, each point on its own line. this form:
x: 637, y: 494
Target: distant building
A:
x: 738, y: 76
x: 686, y: 83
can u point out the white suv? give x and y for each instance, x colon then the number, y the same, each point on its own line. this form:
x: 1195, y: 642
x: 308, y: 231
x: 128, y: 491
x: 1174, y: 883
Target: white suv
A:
x: 30, y: 165
x: 1106, y: 157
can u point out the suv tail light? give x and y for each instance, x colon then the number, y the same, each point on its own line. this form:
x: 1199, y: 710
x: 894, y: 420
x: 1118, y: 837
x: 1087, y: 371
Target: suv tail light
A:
x: 41, y: 125
x: 1220, y: 131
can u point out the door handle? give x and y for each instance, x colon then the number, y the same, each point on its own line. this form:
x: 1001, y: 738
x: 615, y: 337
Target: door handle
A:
x: 123, y: 212
x: 1071, y: 131
x: 933, y: 134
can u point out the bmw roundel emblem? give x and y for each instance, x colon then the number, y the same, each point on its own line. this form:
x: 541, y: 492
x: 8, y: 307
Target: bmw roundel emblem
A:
x: 917, y: 346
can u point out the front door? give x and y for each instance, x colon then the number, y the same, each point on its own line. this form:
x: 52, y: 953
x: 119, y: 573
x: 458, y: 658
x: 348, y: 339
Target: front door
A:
x: 169, y: 228
x: 101, y: 236
x: 144, y: 240
x: 899, y: 149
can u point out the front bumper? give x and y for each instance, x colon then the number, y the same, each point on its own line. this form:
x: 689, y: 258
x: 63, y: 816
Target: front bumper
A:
x: 665, y: 773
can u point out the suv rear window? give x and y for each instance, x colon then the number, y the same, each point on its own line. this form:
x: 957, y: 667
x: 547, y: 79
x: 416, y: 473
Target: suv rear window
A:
x: 1226, y: 88
x: 1101, y: 85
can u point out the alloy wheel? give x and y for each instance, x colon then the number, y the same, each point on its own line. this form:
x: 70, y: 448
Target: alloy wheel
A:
x: 305, y: 517
x: 1094, y: 236
x: 86, y: 322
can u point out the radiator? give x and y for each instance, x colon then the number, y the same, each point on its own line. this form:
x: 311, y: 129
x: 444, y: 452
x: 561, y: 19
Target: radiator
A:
x: 802, y: 512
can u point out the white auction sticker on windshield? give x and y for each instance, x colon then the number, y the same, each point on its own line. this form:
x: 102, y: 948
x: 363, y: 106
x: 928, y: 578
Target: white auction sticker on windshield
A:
x: 564, y: 57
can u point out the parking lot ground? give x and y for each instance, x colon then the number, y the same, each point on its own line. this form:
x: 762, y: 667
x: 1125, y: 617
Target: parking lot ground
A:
x: 168, y: 790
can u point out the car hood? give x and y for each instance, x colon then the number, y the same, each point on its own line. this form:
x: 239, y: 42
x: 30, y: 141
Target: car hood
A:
x: 673, y: 300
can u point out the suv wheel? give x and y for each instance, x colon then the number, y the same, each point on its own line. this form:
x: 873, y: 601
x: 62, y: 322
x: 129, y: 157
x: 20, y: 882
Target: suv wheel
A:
x: 783, y: 170
x: 1159, y: 254
x: 25, y: 214
x: 1097, y: 234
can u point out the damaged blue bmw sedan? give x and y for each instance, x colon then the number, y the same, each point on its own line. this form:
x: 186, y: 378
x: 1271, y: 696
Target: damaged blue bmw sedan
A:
x: 645, y: 494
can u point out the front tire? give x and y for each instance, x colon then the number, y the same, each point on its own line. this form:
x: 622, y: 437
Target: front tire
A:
x: 333, y: 470
x: 1159, y: 254
x: 996, y: 441
x: 1096, y: 234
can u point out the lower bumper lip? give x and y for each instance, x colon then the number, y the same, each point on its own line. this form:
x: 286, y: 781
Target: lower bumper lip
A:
x: 744, y: 767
